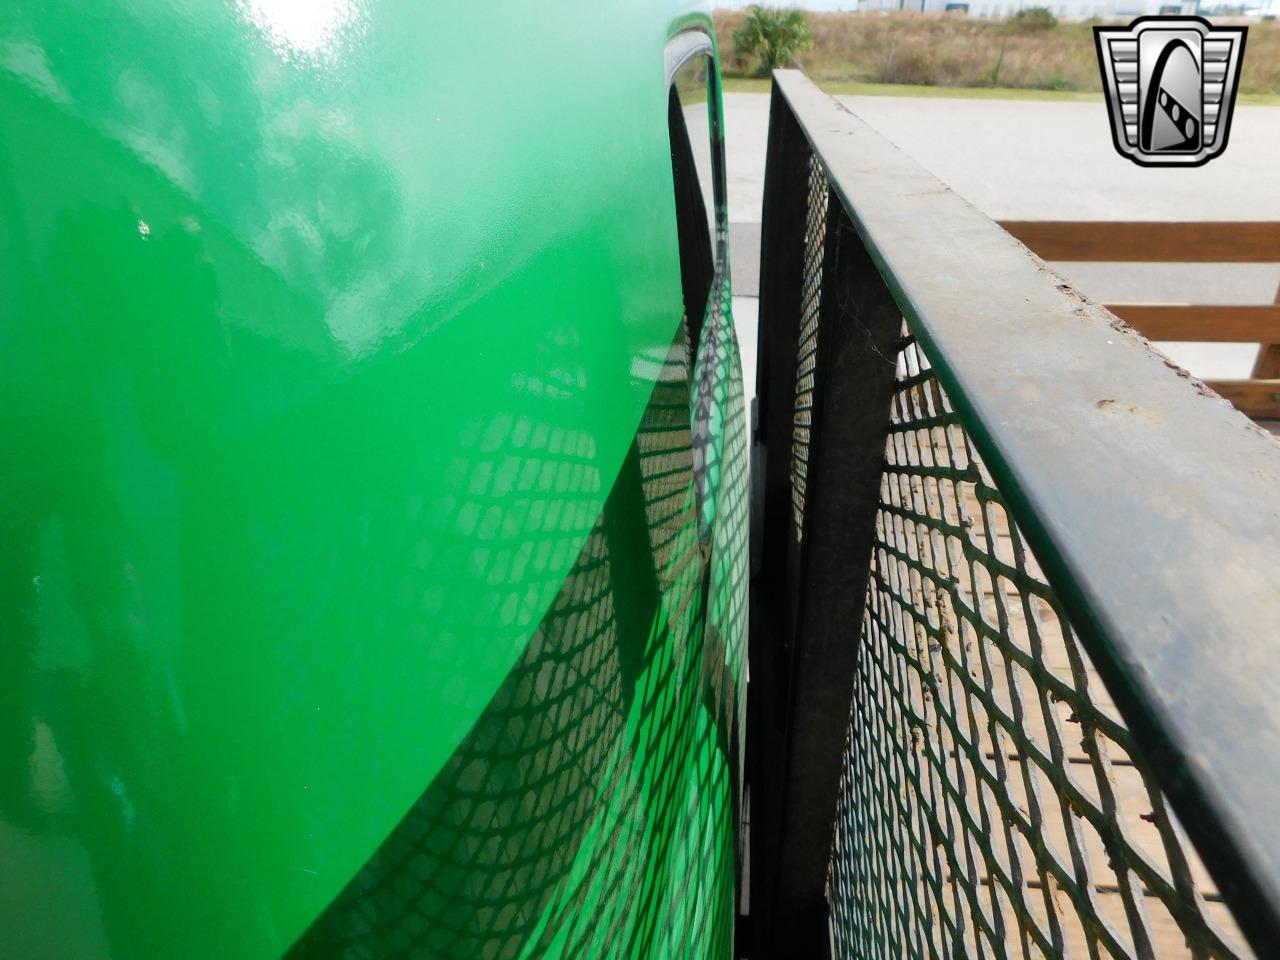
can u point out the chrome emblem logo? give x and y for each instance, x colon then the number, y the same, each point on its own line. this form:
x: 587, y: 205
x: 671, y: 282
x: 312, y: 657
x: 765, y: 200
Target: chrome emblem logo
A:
x: 1170, y: 85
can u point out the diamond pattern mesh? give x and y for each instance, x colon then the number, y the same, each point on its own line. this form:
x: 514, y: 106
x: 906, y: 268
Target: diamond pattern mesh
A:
x: 992, y: 803
x: 815, y: 236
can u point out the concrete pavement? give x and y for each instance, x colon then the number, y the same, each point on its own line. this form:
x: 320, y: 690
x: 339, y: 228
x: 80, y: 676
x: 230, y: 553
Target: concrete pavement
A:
x: 1047, y: 160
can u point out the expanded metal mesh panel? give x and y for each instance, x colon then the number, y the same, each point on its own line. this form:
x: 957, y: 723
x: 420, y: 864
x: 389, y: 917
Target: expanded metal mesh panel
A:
x: 992, y: 802
x: 815, y: 236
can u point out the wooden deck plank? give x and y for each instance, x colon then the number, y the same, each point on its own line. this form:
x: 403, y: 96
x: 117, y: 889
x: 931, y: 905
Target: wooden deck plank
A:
x: 1259, y: 399
x: 1106, y: 241
x: 1183, y: 322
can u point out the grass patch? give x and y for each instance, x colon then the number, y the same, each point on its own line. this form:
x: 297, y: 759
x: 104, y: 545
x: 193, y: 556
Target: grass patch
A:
x: 851, y: 88
x: 860, y: 53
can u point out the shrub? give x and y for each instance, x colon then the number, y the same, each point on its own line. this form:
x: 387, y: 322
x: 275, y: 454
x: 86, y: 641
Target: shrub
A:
x: 772, y: 36
x: 1032, y: 20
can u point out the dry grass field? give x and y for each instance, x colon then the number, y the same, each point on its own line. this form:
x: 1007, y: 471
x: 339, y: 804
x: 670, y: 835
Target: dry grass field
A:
x: 957, y: 51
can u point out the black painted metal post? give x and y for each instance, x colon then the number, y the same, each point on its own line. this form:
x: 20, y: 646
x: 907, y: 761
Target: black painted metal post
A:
x: 807, y: 594
x: 786, y: 191
x: 858, y: 335
x: 781, y: 273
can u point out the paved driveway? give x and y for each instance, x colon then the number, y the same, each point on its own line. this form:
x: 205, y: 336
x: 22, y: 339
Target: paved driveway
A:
x: 1030, y: 160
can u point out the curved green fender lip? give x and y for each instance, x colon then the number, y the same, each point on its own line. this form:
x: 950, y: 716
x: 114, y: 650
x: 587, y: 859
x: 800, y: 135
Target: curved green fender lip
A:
x: 318, y: 340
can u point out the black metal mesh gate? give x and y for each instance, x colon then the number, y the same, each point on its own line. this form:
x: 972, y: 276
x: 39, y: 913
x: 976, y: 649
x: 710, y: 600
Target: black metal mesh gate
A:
x: 958, y: 748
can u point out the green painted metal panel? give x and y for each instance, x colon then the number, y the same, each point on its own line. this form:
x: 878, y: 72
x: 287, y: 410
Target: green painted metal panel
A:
x: 325, y: 333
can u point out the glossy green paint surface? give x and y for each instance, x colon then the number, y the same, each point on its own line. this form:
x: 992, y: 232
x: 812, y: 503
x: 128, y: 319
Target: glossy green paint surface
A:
x: 322, y: 331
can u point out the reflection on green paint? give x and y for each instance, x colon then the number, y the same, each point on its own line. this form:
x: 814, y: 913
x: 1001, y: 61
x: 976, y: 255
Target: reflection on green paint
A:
x: 323, y: 334
x: 590, y: 811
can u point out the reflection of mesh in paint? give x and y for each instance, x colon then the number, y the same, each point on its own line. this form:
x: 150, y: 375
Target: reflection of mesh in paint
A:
x: 466, y: 873
x: 665, y: 454
x: 589, y: 811
x: 655, y: 875
x: 727, y: 594
x: 678, y: 886
x: 521, y: 490
x: 656, y: 872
